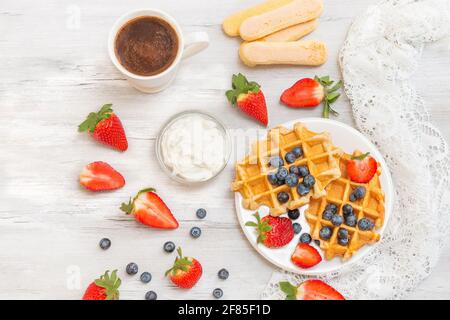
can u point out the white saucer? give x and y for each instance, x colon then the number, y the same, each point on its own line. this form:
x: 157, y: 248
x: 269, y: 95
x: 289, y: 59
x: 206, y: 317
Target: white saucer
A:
x: 348, y: 139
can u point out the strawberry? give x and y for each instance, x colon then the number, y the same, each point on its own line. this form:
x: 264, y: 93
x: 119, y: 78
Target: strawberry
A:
x: 307, y: 93
x: 149, y: 209
x: 186, y: 271
x: 249, y: 98
x: 305, y: 256
x: 362, y: 168
x: 100, y: 176
x: 273, y: 232
x: 104, y: 288
x: 310, y: 290
x: 105, y: 127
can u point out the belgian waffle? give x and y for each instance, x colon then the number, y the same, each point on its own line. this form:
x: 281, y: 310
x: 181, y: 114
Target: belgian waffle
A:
x: 319, y: 155
x: 338, y: 192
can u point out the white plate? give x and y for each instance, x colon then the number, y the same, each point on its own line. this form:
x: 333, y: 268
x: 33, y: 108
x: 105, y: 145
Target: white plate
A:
x: 348, y: 139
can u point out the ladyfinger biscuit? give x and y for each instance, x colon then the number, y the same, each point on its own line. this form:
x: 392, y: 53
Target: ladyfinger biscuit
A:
x: 298, y: 11
x: 232, y: 23
x: 293, y: 33
x: 308, y: 53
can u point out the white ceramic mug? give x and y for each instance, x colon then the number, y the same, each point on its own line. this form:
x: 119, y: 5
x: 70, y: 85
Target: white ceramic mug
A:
x: 189, y: 45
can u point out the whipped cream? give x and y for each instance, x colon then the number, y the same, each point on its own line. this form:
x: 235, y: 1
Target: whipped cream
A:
x: 194, y: 147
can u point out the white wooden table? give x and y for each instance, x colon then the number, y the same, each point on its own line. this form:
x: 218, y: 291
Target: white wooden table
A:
x: 54, y: 70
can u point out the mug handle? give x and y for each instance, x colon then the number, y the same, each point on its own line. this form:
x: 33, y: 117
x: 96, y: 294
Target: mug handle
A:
x: 194, y: 43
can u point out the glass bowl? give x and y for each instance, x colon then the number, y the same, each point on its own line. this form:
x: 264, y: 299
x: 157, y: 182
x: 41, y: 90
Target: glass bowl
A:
x: 169, y: 123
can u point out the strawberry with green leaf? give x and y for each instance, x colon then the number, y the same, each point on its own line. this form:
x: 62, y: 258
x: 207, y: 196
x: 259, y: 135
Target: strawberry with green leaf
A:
x: 273, y: 232
x: 185, y: 272
x: 308, y: 93
x: 361, y: 168
x: 310, y: 290
x: 104, y: 288
x: 249, y: 98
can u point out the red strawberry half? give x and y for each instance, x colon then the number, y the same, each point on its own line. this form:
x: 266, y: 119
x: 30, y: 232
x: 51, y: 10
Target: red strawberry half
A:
x: 273, y: 232
x: 105, y: 127
x: 104, y: 288
x: 149, y: 209
x: 310, y: 290
x: 100, y: 176
x: 306, y: 93
x: 305, y: 256
x: 362, y: 168
x: 186, y: 271
x: 249, y: 98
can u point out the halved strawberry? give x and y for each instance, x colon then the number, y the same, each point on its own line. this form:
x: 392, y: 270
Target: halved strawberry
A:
x: 310, y: 290
x: 104, y: 288
x: 305, y: 256
x: 105, y: 127
x: 186, y: 271
x: 149, y: 209
x: 100, y: 176
x: 249, y: 98
x: 306, y: 92
x: 362, y: 168
x: 273, y: 232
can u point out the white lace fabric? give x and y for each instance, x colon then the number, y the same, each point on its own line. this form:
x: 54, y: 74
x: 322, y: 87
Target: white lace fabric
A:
x: 377, y: 60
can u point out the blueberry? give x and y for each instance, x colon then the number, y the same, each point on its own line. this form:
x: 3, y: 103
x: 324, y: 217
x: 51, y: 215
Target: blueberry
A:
x: 290, y: 157
x: 200, y: 213
x: 276, y: 162
x: 317, y: 242
x: 151, y: 295
x: 291, y: 180
x: 294, y: 170
x: 282, y: 173
x: 302, y: 190
x: 196, y: 232
x: 342, y: 233
x: 146, y: 277
x: 223, y: 274
x: 132, y: 268
x: 272, y: 177
x: 343, y: 241
x: 309, y: 181
x: 325, y: 233
x: 217, y: 293
x: 337, y: 220
x: 332, y: 207
x: 365, y: 224
x: 327, y: 215
x: 347, y: 210
x: 350, y: 220
x: 303, y: 171
x: 283, y: 197
x: 297, y: 227
x: 298, y: 152
x: 305, y: 238
x: 169, y: 246
x: 357, y: 194
x: 294, y: 214
x: 105, y: 243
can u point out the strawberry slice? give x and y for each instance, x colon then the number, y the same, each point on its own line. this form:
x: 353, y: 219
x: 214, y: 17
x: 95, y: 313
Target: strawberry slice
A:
x: 305, y: 256
x: 186, y: 271
x: 305, y: 93
x: 273, y: 232
x: 249, y: 98
x: 362, y: 168
x: 149, y: 209
x: 310, y: 290
x: 100, y: 176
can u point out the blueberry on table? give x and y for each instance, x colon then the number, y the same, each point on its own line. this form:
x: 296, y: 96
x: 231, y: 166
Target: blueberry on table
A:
x: 303, y: 171
x: 217, y: 293
x: 200, y: 213
x: 309, y: 181
x: 347, y: 210
x: 283, y: 197
x: 146, y: 277
x: 223, y: 274
x: 351, y: 220
x: 332, y: 207
x: 325, y: 233
x: 337, y: 220
x: 196, y: 232
x: 365, y: 224
x: 105, y: 243
x: 132, y: 268
x: 294, y: 170
x: 303, y: 190
x: 282, y: 173
x: 169, y: 246
x: 290, y: 157
x: 297, y: 227
x: 293, y: 214
x: 343, y: 241
x: 151, y: 295
x: 357, y: 194
x: 298, y: 152
x: 276, y: 162
x: 342, y: 233
x: 291, y: 180
x: 327, y: 215
x: 305, y: 238
x: 272, y: 177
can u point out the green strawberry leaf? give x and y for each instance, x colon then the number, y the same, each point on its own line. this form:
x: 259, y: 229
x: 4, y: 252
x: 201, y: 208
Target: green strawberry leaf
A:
x: 361, y: 156
x: 289, y: 289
